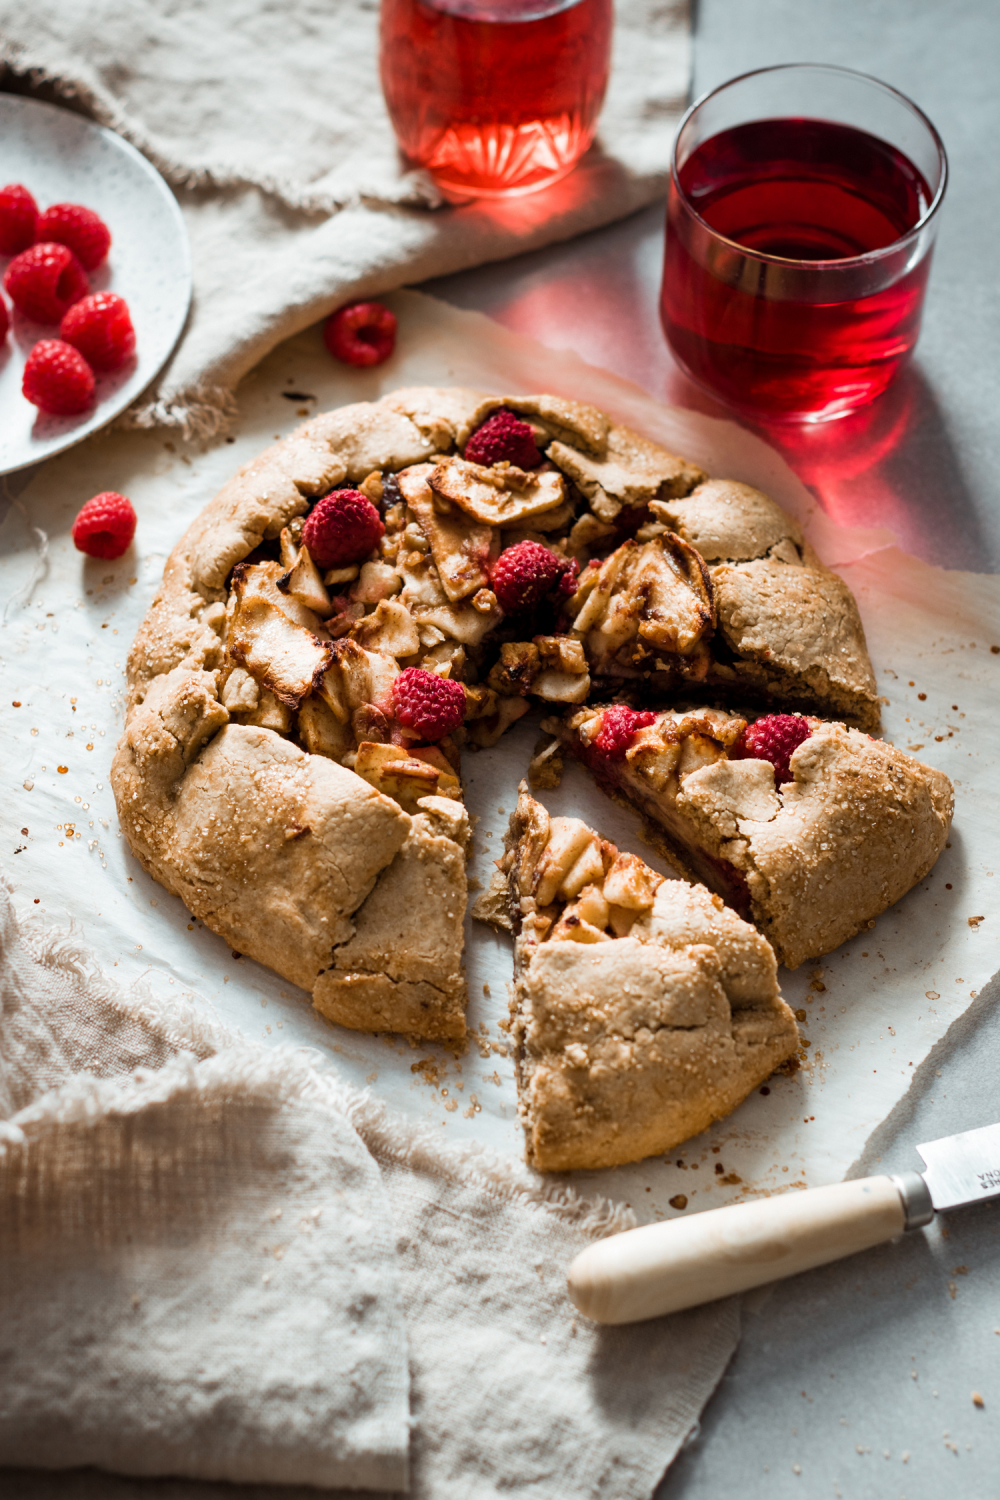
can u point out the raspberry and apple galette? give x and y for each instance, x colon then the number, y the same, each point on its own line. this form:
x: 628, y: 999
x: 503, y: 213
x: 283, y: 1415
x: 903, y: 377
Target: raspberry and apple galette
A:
x: 643, y: 1008
x: 402, y: 578
x: 807, y: 828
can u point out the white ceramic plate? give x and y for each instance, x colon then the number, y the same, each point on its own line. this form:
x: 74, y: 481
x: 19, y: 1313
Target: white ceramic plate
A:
x: 62, y: 158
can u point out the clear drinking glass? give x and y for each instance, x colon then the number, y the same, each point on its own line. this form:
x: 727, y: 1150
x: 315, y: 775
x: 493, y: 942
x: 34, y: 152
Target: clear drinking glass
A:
x: 495, y: 96
x: 801, y: 218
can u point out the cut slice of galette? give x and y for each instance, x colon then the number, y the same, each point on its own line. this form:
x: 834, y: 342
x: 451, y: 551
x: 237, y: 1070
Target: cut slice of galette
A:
x: 804, y: 826
x: 398, y: 580
x: 643, y: 1008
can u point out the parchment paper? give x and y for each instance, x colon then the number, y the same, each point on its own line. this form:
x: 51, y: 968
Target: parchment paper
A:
x: 871, y: 1011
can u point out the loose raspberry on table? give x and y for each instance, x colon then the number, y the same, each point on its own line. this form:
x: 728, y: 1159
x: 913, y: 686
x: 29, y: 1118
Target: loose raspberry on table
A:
x: 430, y: 705
x: 57, y: 379
x: 619, y: 726
x: 105, y: 526
x: 503, y: 436
x: 341, y: 529
x: 775, y: 738
x: 80, y: 228
x: 524, y: 574
x: 101, y: 328
x: 18, y: 219
x: 362, y: 334
x: 45, y: 281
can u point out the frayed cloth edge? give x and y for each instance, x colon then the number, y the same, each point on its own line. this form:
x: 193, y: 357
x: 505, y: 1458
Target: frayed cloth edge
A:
x: 217, y: 1059
x: 201, y: 412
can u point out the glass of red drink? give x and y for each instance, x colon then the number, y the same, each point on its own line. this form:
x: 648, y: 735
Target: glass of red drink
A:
x: 495, y: 96
x: 801, y: 219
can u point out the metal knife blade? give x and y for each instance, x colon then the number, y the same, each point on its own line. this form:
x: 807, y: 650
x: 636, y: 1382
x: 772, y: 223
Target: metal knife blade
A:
x: 962, y: 1168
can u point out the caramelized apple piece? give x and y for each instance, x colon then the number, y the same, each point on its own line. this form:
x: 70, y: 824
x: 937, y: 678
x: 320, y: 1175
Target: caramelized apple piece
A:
x: 462, y: 548
x: 280, y: 655
x: 390, y: 629
x: 499, y: 496
x: 303, y: 581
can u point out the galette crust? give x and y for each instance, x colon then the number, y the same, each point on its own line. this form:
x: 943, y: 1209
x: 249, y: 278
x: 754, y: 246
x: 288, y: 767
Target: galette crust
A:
x: 401, y: 970
x: 797, y: 637
x: 791, y: 625
x: 270, y: 847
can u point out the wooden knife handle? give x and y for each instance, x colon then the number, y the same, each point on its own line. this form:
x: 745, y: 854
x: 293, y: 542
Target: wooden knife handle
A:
x: 662, y: 1268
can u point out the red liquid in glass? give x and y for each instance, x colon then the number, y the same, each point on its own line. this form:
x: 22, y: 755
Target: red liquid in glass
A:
x: 495, y: 96
x: 786, y: 341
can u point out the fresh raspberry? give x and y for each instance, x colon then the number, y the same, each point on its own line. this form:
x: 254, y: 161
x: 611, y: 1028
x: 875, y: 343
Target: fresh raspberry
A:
x: 105, y: 526
x: 570, y: 580
x: 430, y: 705
x: 362, y: 334
x: 773, y: 738
x: 58, y: 379
x: 45, y: 281
x: 524, y: 574
x: 342, y: 528
x: 619, y: 726
x: 100, y: 327
x: 503, y: 436
x: 4, y: 320
x: 18, y: 219
x: 80, y: 228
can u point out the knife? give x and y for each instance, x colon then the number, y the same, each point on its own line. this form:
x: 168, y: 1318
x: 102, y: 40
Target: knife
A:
x: 662, y: 1268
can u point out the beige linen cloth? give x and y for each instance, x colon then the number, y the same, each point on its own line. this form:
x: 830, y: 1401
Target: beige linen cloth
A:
x: 269, y: 121
x: 220, y: 1262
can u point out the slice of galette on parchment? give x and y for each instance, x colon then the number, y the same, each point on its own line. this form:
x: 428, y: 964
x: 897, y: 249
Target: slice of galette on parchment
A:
x: 398, y: 580
x: 805, y: 827
x: 643, y: 1008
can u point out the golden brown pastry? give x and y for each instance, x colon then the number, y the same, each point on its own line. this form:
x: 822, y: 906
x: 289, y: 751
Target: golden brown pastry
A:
x: 267, y: 773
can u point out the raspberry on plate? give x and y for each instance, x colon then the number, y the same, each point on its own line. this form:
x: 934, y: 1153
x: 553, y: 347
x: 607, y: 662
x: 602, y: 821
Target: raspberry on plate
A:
x: 341, y: 529
x: 57, y: 379
x: 4, y: 320
x: 775, y: 738
x: 522, y: 575
x: 503, y: 436
x: 363, y: 333
x: 430, y: 705
x: 80, y: 228
x: 619, y: 725
x: 105, y: 526
x: 45, y: 281
x: 101, y: 328
x: 18, y: 219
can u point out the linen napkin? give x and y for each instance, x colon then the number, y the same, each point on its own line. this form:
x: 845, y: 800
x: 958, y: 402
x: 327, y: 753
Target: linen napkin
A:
x: 269, y: 122
x: 199, y: 1265
x: 211, y: 1250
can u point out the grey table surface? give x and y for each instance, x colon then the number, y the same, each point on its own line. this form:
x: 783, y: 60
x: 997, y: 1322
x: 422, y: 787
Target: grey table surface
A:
x: 855, y: 1380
